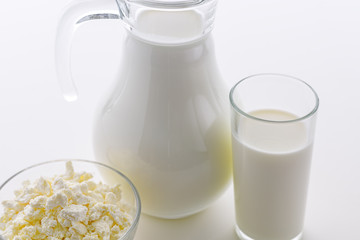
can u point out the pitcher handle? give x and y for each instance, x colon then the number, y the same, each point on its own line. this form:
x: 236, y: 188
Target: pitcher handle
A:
x: 76, y: 13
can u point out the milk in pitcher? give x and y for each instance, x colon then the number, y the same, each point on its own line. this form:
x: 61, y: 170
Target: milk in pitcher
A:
x: 166, y: 123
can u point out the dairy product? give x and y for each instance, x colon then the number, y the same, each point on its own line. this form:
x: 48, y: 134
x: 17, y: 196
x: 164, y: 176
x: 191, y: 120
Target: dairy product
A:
x: 159, y: 25
x: 165, y: 124
x: 69, y: 206
x: 271, y: 171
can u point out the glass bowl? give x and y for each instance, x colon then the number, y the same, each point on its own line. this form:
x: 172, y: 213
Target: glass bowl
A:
x: 101, y: 173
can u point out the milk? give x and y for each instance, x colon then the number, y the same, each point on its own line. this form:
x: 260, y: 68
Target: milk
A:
x: 271, y: 176
x: 166, y: 123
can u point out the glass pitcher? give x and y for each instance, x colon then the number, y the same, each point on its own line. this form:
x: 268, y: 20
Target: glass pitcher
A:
x: 164, y: 123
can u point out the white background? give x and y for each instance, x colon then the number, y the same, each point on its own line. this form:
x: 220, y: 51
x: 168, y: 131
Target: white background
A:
x: 316, y: 40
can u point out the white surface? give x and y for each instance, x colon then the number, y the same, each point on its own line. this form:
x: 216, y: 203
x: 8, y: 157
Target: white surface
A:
x: 318, y: 41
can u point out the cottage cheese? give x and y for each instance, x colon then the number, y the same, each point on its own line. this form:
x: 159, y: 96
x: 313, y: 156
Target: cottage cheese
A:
x: 70, y: 207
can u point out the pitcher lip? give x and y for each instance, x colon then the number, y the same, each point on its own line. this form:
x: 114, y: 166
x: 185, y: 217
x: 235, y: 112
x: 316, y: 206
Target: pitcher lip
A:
x: 169, y: 4
x: 130, y: 10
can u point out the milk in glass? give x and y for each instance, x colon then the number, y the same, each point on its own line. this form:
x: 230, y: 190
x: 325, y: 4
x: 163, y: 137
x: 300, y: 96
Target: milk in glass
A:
x: 271, y: 176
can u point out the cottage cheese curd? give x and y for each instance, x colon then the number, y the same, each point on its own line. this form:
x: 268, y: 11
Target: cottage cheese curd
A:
x: 69, y: 206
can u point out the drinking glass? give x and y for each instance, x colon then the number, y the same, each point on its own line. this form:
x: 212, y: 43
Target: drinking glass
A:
x: 273, y: 120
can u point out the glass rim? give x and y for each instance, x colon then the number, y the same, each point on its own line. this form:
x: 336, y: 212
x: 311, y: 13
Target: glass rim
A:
x: 178, y: 4
x: 300, y: 118
x: 133, y: 188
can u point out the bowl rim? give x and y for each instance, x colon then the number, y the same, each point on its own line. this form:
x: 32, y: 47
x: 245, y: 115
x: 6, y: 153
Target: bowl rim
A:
x: 135, y: 221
